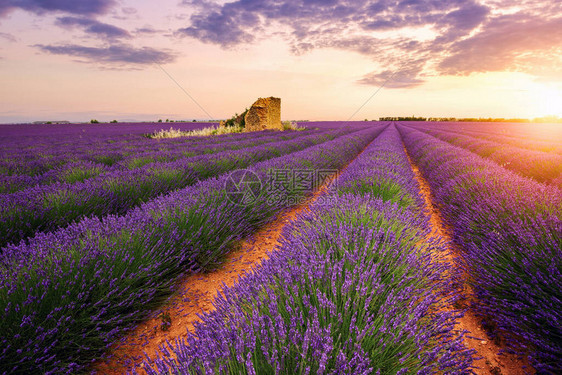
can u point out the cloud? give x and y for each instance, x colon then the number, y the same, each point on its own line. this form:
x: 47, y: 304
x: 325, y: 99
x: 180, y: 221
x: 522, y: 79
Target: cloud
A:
x: 468, y: 16
x: 406, y: 76
x: 201, y: 4
x: 129, y: 10
x: 125, y: 14
x: 80, y: 7
x: 308, y: 18
x: 93, y: 27
x: 442, y: 37
x: 223, y: 29
x: 119, y: 55
x: 148, y: 30
x: 510, y: 42
x: 8, y: 37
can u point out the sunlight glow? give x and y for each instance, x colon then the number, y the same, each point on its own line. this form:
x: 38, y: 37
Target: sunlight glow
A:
x: 546, y: 99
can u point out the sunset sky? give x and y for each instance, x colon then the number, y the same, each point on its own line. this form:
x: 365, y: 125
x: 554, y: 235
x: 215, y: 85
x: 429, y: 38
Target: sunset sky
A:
x: 118, y: 59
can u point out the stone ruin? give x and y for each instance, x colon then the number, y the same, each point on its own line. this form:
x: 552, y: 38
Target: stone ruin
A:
x: 264, y: 114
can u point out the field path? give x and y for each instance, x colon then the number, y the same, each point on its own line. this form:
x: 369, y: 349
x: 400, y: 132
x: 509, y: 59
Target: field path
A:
x: 487, y: 359
x: 195, y: 294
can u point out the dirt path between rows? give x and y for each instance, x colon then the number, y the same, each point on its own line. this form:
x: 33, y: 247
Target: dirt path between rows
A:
x: 196, y: 292
x: 487, y: 359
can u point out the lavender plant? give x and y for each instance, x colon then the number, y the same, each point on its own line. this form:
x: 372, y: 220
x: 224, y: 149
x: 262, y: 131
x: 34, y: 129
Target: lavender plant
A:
x: 524, y: 132
x: 526, y: 140
x: 355, y: 287
x: 45, y: 208
x: 542, y: 166
x: 510, y: 229
x: 66, y: 296
x: 58, y: 162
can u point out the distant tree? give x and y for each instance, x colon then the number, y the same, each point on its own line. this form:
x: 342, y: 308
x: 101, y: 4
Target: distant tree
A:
x: 237, y: 120
x: 159, y: 120
x: 545, y: 119
x: 48, y: 123
x: 167, y: 120
x: 412, y: 118
x: 194, y: 120
x: 113, y: 121
x: 94, y: 121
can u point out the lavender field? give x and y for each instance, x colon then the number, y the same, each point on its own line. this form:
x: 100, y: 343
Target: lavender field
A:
x: 99, y: 224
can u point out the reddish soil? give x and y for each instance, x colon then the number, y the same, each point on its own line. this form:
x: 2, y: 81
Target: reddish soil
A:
x: 195, y: 295
x: 488, y: 361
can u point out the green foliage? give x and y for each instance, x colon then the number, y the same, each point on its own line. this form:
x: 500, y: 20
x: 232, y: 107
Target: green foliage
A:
x: 108, y: 159
x: 205, y: 132
x: 292, y: 125
x: 94, y: 121
x: 237, y: 120
x: 386, y: 190
x: 166, y: 321
x: 336, y: 299
x: 79, y: 174
x: 139, y: 162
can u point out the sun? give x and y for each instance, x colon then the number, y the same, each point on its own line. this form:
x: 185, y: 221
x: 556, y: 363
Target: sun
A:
x: 546, y: 100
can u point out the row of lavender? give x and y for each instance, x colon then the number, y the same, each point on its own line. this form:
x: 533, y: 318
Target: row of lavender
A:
x: 510, y: 228
x: 29, y: 132
x: 338, y: 124
x: 548, y: 132
x: 15, y: 137
x: 542, y: 166
x: 536, y: 137
x: 72, y: 166
x: 353, y: 289
x: 42, y: 157
x: 513, y: 140
x: 47, y: 207
x: 33, y: 156
x: 66, y: 296
x: 56, y: 144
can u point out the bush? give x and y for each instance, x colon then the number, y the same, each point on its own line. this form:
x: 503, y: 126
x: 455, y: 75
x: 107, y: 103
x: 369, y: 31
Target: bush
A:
x: 237, y: 120
x: 94, y: 121
x: 213, y: 130
x: 292, y: 125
